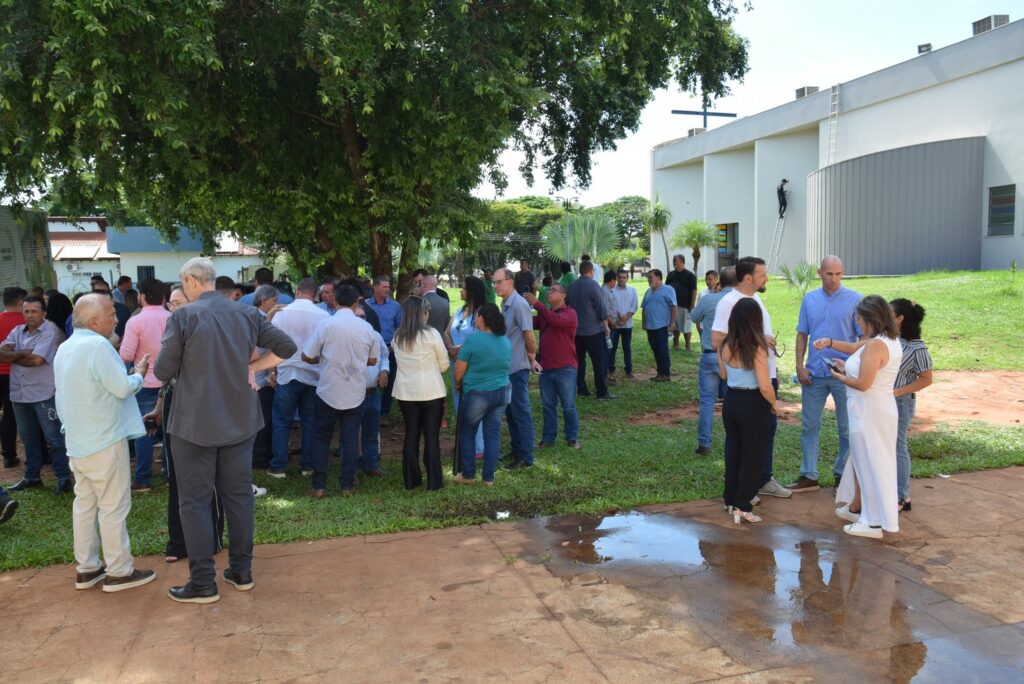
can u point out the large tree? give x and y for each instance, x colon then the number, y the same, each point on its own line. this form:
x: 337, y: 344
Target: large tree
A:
x: 334, y: 130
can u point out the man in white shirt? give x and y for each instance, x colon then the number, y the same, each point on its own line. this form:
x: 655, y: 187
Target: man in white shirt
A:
x: 626, y: 305
x: 751, y: 278
x: 343, y: 346
x: 296, y: 380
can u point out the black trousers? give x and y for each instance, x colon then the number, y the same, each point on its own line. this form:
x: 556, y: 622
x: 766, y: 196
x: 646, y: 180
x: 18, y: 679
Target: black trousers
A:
x: 262, y: 450
x: 422, y: 418
x: 597, y: 347
x: 748, y: 431
x: 175, y: 534
x: 8, y: 425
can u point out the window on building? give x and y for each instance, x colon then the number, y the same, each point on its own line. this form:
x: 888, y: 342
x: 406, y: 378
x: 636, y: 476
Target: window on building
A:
x: 145, y: 272
x: 1001, y: 209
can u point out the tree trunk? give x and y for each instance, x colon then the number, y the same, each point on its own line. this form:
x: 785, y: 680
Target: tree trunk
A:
x: 380, y: 251
x: 696, y: 259
x: 407, y: 262
x: 338, y: 264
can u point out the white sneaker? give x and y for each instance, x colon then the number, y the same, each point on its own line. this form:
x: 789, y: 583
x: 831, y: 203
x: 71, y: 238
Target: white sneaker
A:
x: 845, y: 514
x: 773, y: 488
x: 755, y: 501
x: 307, y: 473
x: 257, y: 492
x: 861, y: 530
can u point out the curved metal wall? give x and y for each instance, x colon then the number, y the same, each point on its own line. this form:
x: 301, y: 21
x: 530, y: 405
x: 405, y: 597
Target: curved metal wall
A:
x: 900, y: 211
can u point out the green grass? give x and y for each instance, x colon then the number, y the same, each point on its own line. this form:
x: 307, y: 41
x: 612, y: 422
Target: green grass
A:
x: 622, y: 464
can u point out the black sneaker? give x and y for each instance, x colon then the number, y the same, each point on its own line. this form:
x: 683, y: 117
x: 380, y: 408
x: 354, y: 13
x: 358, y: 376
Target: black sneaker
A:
x: 573, y: 443
x: 136, y: 579
x: 238, y: 580
x: 25, y: 484
x: 702, y: 450
x: 8, y: 506
x: 88, y: 580
x: 518, y: 464
x: 64, y: 486
x: 279, y: 473
x: 189, y: 594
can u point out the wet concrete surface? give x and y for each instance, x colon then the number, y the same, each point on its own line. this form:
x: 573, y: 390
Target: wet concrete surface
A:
x: 669, y: 593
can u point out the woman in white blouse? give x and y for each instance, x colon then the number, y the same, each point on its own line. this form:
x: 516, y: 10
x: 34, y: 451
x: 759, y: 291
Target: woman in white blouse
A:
x: 421, y: 358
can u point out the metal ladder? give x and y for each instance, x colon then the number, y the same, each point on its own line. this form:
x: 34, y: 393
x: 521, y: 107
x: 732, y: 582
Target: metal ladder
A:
x: 773, y: 252
x: 833, y: 124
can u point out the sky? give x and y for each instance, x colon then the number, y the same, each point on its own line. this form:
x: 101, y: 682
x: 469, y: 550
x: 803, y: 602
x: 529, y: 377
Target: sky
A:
x: 791, y: 43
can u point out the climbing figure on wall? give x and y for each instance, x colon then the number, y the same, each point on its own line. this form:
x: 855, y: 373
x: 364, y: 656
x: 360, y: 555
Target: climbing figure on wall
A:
x: 782, y: 193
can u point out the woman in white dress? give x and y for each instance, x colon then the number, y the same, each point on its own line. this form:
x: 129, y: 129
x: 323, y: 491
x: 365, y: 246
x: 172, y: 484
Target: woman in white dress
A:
x: 868, y: 486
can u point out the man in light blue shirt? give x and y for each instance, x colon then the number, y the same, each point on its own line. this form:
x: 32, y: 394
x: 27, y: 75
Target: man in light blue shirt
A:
x: 709, y: 383
x: 95, y: 400
x: 264, y: 276
x: 828, y: 312
x: 389, y: 313
x: 659, y: 319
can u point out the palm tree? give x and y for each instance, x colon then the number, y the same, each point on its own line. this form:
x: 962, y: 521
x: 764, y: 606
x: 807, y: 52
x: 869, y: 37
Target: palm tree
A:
x: 577, y: 234
x: 656, y: 221
x: 694, y: 234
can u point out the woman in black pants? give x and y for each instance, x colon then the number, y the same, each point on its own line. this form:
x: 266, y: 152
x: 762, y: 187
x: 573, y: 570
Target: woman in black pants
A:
x: 420, y: 390
x: 749, y: 407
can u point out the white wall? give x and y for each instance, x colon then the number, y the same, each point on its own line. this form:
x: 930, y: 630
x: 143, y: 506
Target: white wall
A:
x: 79, y: 281
x: 987, y: 103
x: 168, y: 264
x: 681, y: 189
x: 792, y: 156
x: 729, y: 198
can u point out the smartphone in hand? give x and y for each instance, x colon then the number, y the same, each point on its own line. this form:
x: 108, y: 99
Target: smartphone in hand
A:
x: 831, y: 363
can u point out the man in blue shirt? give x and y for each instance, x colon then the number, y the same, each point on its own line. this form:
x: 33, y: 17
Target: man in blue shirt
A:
x: 389, y: 312
x: 709, y: 383
x: 264, y: 276
x: 826, y: 312
x: 659, y: 319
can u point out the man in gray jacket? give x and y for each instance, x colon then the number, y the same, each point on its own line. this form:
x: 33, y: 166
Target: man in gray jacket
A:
x: 440, y: 311
x: 586, y: 297
x: 208, y: 346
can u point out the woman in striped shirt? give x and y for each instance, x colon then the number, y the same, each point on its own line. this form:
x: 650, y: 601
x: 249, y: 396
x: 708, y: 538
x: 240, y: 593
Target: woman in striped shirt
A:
x: 914, y: 375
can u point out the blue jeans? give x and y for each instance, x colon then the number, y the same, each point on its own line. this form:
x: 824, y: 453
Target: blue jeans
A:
x: 33, y: 417
x: 478, y: 444
x: 813, y: 400
x: 385, y: 399
x: 146, y: 398
x: 520, y: 419
x: 658, y: 339
x: 369, y: 433
x: 559, y: 385
x: 482, y: 409
x: 287, y: 398
x: 906, y: 405
x: 708, y: 386
x: 326, y: 418
x: 626, y: 336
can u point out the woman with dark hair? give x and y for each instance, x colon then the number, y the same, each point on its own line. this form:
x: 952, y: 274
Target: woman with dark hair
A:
x: 868, y: 486
x: 58, y: 311
x: 481, y: 374
x: 461, y: 328
x: 748, y: 409
x: 915, y: 374
x: 421, y: 358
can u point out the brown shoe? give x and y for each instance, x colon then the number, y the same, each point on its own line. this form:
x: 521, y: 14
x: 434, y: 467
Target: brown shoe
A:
x: 661, y: 378
x: 136, y: 579
x: 316, y: 493
x: 375, y: 473
x: 348, y: 492
x: 88, y: 580
x: 139, y: 488
x: 804, y: 484
x: 458, y: 479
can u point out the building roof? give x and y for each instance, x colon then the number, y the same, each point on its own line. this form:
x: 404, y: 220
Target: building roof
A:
x: 79, y: 246
x: 978, y: 53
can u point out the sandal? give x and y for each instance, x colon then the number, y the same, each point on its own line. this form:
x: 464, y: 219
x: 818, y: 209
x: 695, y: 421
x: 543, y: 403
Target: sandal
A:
x: 904, y: 505
x: 739, y: 516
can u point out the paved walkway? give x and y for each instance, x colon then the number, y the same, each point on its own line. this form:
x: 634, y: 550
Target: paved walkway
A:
x: 671, y: 593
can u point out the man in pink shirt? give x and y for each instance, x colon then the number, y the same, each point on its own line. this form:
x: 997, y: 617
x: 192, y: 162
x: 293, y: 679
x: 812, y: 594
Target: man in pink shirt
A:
x: 142, y: 337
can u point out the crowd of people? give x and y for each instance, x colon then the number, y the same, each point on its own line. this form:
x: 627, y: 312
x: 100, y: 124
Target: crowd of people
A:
x: 86, y: 384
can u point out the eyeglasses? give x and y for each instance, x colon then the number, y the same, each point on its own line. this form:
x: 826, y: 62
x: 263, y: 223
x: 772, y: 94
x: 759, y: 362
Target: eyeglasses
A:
x: 778, y: 354
x: 502, y: 280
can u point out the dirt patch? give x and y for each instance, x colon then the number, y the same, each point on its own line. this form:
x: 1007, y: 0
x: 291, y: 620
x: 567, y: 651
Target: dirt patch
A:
x: 788, y: 413
x: 992, y: 397
x: 526, y: 505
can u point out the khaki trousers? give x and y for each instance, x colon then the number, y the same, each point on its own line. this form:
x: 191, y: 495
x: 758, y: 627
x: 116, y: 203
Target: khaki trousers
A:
x: 103, y: 498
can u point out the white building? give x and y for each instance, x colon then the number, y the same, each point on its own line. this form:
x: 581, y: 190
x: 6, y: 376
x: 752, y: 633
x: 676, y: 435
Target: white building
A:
x: 80, y: 252
x: 917, y: 166
x: 145, y: 253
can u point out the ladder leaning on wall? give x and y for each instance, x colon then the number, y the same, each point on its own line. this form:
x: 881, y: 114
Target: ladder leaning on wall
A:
x: 773, y: 251
x: 833, y: 124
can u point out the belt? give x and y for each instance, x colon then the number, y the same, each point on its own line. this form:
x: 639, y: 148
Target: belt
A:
x: 707, y: 351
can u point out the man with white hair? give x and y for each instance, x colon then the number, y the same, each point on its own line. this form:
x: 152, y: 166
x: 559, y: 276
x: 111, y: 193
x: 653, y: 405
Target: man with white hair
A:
x: 830, y: 311
x: 440, y: 311
x: 208, y: 346
x: 95, y: 400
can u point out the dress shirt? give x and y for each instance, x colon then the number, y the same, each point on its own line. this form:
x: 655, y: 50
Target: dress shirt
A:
x: 373, y: 372
x: 609, y: 302
x: 117, y: 295
x: 420, y: 367
x: 30, y: 384
x: 207, y: 346
x: 344, y: 343
x: 95, y: 394
x: 721, y: 324
x: 390, y: 315
x: 300, y: 320
x: 557, y: 337
x: 9, y: 320
x: 703, y: 315
x: 825, y: 315
x: 657, y: 307
x: 518, y: 322
x: 585, y: 296
x: 282, y: 298
x: 625, y: 303
x: 142, y: 336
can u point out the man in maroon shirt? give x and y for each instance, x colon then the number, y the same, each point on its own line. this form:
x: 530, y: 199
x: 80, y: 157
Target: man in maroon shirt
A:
x: 10, y: 318
x: 557, y: 357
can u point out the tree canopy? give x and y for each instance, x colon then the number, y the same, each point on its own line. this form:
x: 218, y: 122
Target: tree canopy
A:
x: 334, y: 130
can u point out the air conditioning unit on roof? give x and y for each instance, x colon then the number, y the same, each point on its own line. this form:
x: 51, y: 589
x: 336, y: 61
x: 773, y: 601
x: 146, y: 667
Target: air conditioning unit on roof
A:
x: 805, y: 91
x: 989, y: 23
